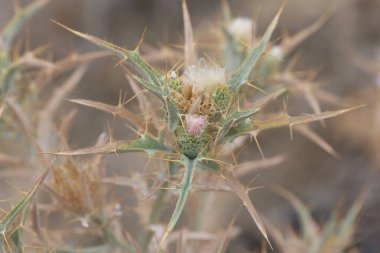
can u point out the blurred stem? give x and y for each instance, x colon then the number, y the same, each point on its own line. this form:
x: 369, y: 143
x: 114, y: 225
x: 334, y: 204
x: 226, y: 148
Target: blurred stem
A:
x: 155, y: 214
x: 14, y: 25
x: 158, y: 204
x: 111, y: 239
x: 205, y: 201
x: 4, y: 60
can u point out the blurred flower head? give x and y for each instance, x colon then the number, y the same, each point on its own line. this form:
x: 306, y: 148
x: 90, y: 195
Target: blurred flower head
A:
x: 241, y: 28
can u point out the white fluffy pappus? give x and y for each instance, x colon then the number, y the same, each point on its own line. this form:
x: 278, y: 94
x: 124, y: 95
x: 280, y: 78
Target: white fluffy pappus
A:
x: 276, y: 52
x: 204, y: 77
x: 241, y: 28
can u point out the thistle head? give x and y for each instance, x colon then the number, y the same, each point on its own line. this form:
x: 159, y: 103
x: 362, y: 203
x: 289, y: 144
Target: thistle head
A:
x: 200, y: 92
x: 200, y: 95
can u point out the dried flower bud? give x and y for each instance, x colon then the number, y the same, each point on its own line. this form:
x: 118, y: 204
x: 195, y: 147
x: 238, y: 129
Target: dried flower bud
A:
x: 195, y: 124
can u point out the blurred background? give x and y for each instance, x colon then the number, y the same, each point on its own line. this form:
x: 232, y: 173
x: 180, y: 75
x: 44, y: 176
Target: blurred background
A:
x: 322, y: 181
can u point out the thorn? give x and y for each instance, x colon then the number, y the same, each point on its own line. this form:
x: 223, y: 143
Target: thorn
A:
x: 255, y: 188
x: 110, y: 133
x: 293, y: 61
x: 234, y: 159
x: 120, y: 99
x: 141, y: 40
x: 257, y: 88
x: 2, y: 106
x: 134, y: 130
x: 258, y: 146
x: 291, y: 132
x: 251, y: 181
x: 120, y: 62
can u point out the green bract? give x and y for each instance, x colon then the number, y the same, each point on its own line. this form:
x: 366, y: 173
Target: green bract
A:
x: 192, y: 146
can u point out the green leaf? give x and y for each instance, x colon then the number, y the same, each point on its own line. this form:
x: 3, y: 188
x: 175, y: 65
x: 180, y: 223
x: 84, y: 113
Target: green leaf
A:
x: 347, y: 225
x: 233, y: 119
x: 17, y: 242
x: 145, y: 143
x: 255, y: 126
x: 10, y: 31
x: 7, y: 77
x: 242, y: 73
x: 153, y: 81
x: 233, y: 53
x: 147, y: 84
x: 163, y: 94
x: 95, y: 249
x: 132, y: 57
x: 173, y: 115
x: 9, y: 219
x: 184, y: 189
x: 208, y: 164
x: 308, y: 226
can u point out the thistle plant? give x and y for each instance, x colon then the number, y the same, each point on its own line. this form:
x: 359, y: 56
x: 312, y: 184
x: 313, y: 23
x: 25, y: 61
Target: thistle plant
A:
x: 202, y: 111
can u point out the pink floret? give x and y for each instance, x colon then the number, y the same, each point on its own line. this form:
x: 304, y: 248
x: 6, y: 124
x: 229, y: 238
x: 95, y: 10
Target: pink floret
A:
x: 195, y: 124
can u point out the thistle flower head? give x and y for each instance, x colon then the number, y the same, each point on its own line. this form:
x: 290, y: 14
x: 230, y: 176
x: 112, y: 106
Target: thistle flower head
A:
x: 195, y: 124
x: 241, y: 28
x: 203, y: 77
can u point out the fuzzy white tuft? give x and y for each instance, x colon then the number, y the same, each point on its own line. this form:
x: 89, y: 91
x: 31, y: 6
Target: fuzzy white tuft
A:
x: 276, y: 52
x: 204, y: 78
x: 242, y: 29
x: 172, y: 74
